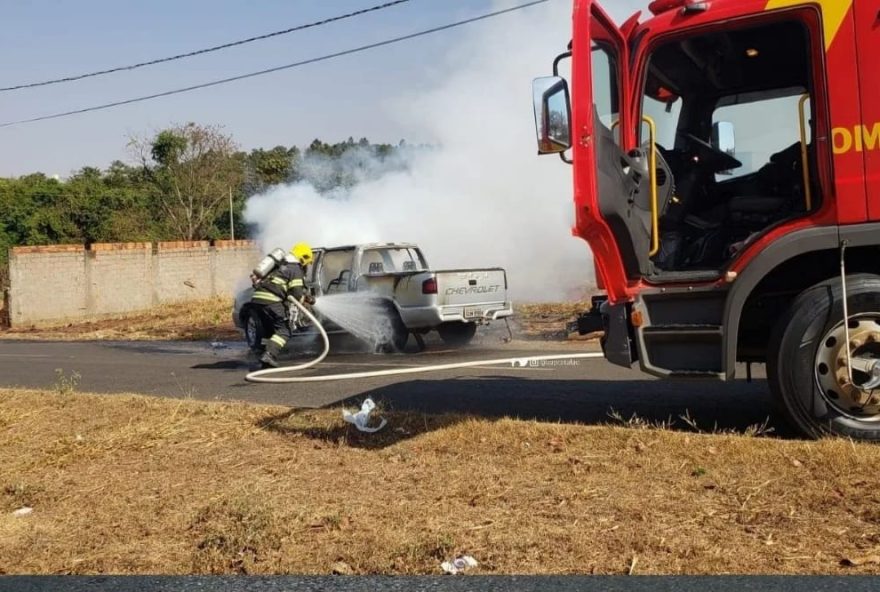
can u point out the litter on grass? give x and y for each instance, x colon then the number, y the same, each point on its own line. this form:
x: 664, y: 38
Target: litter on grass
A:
x: 362, y: 417
x: 459, y: 564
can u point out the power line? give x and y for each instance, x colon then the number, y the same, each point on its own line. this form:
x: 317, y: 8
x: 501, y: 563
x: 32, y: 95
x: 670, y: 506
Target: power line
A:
x: 206, y: 50
x: 275, y: 69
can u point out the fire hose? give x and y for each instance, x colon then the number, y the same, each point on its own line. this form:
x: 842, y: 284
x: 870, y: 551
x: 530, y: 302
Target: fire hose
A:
x: 270, y: 375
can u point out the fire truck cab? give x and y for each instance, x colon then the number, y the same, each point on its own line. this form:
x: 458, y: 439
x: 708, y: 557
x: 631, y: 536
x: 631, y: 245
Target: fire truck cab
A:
x: 726, y: 164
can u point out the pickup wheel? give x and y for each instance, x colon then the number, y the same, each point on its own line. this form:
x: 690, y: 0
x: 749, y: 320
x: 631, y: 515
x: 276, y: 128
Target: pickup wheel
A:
x: 397, y: 336
x: 254, y: 329
x: 457, y: 334
x: 806, y: 364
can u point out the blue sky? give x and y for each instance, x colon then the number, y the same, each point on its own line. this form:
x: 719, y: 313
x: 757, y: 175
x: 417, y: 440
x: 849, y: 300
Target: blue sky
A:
x: 349, y: 96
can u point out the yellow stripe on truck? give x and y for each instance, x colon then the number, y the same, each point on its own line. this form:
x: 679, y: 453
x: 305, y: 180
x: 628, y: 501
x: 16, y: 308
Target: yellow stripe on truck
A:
x: 833, y: 13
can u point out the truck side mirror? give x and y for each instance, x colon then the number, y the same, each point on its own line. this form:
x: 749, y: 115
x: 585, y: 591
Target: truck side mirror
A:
x: 552, y: 114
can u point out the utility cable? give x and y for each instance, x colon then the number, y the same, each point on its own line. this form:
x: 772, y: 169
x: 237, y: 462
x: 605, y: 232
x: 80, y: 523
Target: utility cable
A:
x: 205, y: 50
x: 277, y: 68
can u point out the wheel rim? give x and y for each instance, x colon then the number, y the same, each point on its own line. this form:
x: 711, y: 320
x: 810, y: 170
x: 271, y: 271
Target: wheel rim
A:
x: 831, y: 370
x: 251, y: 330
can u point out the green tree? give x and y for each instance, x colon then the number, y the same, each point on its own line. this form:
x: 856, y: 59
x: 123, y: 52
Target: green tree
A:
x: 111, y: 207
x: 191, y: 170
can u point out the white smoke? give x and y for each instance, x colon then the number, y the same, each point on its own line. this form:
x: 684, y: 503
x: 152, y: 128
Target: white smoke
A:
x: 483, y: 197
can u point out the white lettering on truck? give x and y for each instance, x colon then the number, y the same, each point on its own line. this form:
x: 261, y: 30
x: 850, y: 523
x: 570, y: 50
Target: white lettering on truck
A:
x: 473, y: 290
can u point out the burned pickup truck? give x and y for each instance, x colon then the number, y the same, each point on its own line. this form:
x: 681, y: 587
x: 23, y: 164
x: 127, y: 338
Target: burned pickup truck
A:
x: 415, y: 299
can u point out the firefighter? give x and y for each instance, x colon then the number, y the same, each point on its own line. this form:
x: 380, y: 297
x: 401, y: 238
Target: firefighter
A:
x: 275, y: 291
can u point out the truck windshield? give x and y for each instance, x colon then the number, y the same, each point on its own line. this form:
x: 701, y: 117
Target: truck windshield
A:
x: 389, y: 260
x: 665, y: 116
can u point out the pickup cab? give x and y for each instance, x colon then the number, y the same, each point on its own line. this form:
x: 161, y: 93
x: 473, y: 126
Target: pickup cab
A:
x: 416, y: 299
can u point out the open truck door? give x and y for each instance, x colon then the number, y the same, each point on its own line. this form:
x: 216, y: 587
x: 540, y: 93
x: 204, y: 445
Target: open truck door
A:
x: 616, y: 190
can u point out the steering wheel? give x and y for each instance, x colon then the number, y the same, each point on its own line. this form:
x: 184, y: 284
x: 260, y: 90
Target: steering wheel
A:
x: 711, y: 156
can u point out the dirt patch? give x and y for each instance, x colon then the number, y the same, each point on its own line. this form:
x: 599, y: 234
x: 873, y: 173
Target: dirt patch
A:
x: 125, y: 484
x: 189, y: 321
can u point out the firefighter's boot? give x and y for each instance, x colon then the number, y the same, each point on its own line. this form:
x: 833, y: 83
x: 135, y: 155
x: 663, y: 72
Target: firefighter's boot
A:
x: 273, y: 348
x: 268, y: 360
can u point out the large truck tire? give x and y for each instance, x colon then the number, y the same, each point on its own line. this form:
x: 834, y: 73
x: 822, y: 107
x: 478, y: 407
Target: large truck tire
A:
x: 457, y: 334
x: 806, y: 365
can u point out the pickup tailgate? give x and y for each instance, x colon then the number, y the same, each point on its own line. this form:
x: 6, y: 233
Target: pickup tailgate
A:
x: 471, y: 288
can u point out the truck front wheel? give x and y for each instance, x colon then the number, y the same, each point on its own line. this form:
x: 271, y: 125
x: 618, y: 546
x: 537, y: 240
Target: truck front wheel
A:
x: 457, y: 334
x: 806, y: 362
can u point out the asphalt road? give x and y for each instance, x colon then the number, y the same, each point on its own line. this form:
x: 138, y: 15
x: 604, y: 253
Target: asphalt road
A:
x: 584, y: 391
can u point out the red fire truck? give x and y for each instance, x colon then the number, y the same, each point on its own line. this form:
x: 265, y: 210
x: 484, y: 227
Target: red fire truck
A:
x: 726, y: 163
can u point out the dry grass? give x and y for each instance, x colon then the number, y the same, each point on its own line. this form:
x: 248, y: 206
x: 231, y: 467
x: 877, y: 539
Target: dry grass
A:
x: 549, y: 321
x: 130, y: 484
x: 191, y: 321
x: 211, y: 320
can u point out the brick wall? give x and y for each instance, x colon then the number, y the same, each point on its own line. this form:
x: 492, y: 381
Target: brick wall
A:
x: 117, y: 272
x: 184, y: 271
x: 60, y: 283
x: 230, y: 258
x: 52, y: 279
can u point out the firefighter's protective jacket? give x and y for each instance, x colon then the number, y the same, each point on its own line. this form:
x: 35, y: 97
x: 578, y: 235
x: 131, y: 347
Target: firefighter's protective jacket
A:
x: 288, y: 279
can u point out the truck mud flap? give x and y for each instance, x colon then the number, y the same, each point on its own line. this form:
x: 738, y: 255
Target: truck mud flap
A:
x: 591, y: 321
x: 613, y: 321
x: 617, y: 342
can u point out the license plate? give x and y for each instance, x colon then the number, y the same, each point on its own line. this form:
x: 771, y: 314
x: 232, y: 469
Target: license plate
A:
x: 473, y: 313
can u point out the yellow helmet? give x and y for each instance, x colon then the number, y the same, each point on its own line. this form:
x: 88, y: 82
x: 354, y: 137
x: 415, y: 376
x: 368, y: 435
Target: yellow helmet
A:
x: 303, y: 253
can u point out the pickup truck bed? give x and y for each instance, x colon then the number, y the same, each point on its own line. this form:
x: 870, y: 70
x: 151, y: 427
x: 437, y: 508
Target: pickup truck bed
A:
x: 457, y: 295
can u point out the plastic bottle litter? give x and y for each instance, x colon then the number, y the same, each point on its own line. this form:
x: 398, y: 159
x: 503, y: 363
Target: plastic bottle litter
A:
x: 23, y: 511
x: 362, y: 417
x: 459, y: 564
